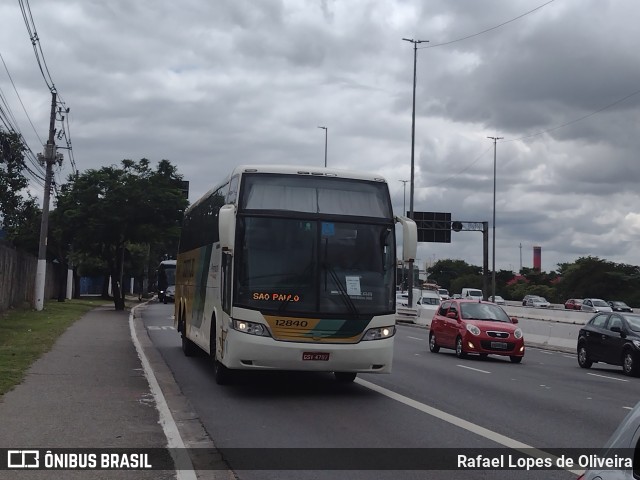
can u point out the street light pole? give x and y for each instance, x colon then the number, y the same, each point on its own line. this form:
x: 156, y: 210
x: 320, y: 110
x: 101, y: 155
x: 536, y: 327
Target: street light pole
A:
x: 404, y: 212
x: 493, y: 273
x: 413, y: 137
x: 325, y: 145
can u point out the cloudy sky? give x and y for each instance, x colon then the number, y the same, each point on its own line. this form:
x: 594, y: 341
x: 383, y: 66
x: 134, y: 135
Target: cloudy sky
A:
x: 212, y: 84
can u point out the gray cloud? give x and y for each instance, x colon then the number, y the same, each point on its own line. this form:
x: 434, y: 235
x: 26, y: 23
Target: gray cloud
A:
x: 209, y: 85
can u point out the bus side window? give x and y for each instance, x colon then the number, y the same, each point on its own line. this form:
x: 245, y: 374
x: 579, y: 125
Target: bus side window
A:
x: 227, y: 262
x: 232, y: 194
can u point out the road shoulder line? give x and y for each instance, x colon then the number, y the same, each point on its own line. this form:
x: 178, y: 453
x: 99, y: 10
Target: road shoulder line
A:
x: 181, y: 424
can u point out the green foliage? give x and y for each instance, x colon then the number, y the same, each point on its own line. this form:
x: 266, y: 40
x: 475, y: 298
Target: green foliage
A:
x: 26, y: 334
x: 104, y: 213
x: 25, y: 234
x: 18, y: 210
x: 584, y: 278
x: 468, y: 280
x: 595, y: 277
x: 445, y: 271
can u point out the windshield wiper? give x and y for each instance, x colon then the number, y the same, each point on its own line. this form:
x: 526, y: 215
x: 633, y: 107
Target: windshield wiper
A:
x: 342, y: 290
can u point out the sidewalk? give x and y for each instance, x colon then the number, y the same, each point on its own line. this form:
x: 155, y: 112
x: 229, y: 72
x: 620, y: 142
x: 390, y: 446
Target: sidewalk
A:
x: 89, y: 391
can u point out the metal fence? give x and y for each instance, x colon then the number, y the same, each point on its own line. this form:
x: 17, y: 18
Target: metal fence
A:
x: 18, y: 278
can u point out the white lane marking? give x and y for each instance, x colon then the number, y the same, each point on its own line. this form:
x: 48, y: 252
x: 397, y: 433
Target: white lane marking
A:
x: 464, y: 424
x: 474, y: 369
x: 414, y: 338
x: 628, y: 408
x: 546, y: 353
x: 174, y: 440
x: 610, y: 378
x: 158, y: 327
x: 569, y: 356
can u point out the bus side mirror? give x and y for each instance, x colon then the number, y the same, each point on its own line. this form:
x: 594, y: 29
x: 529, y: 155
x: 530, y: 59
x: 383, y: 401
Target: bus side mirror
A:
x: 409, y: 238
x: 227, y: 227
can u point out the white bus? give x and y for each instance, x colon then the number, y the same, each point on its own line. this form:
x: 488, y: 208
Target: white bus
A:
x: 285, y: 268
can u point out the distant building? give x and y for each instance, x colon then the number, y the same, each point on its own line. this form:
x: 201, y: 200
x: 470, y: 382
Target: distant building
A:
x: 537, y: 258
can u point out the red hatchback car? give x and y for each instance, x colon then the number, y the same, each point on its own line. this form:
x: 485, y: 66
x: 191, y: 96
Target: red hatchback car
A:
x: 573, y: 304
x: 471, y: 326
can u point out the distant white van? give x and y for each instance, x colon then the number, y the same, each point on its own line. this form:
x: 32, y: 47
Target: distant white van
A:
x: 444, y: 293
x: 472, y: 293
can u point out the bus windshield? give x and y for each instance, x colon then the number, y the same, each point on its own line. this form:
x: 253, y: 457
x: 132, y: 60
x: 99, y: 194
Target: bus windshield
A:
x: 315, y: 266
x: 166, y: 274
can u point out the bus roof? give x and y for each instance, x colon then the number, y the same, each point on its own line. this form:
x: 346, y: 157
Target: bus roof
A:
x: 307, y: 170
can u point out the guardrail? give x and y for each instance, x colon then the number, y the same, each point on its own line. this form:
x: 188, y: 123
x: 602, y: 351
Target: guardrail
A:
x: 549, y: 314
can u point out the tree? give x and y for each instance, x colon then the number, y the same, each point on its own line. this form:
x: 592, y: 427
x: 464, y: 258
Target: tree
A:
x: 595, y: 277
x: 469, y: 280
x: 109, y: 209
x: 445, y: 271
x: 18, y: 210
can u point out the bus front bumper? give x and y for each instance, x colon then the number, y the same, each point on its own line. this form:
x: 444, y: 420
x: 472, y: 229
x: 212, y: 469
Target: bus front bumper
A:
x: 247, y: 352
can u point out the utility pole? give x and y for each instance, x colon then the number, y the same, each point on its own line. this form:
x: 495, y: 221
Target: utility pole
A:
x: 520, y: 271
x: 413, y: 141
x: 325, y: 145
x: 493, y: 273
x: 49, y: 157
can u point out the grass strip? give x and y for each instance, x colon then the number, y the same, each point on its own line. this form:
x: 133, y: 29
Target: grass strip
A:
x: 26, y: 334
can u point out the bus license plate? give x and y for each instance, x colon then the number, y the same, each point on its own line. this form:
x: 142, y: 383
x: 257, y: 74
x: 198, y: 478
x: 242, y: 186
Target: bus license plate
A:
x: 499, y: 345
x: 315, y: 356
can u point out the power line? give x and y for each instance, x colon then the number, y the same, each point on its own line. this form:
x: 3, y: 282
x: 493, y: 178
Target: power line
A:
x: 571, y: 122
x: 489, y: 29
x: 20, y: 99
x: 62, y: 109
x: 35, y: 41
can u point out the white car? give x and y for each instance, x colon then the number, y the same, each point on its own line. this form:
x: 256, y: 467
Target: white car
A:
x: 402, y: 299
x: 169, y: 294
x: 426, y: 298
x: 498, y: 300
x: 444, y: 293
x: 595, y: 305
x: 538, y: 302
x: 429, y: 299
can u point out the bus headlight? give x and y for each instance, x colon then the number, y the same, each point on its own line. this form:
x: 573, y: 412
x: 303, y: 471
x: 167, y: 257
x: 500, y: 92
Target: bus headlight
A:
x: 380, y: 333
x: 251, y: 328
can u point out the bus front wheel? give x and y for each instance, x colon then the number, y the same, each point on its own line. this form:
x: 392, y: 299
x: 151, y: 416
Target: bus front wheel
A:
x: 221, y: 374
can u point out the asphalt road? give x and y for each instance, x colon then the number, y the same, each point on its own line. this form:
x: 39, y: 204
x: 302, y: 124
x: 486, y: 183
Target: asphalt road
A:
x: 430, y: 401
